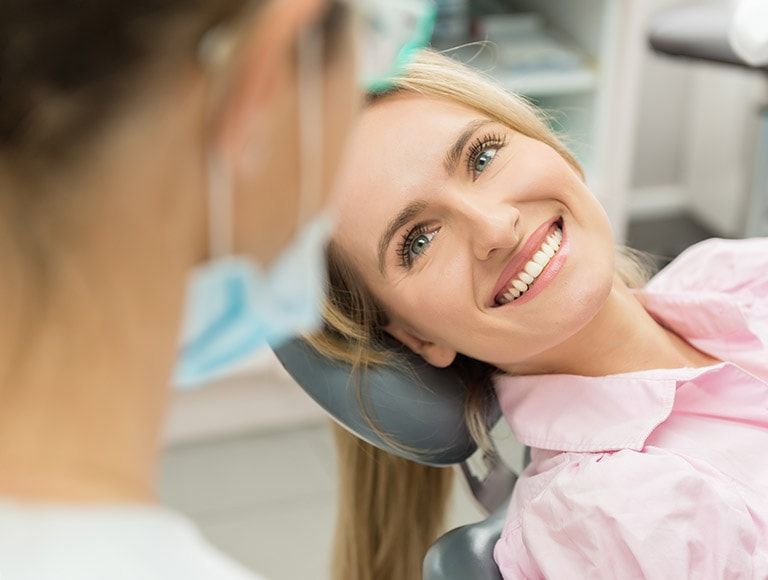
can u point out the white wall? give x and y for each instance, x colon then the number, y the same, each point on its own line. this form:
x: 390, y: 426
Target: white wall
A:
x: 662, y: 121
x: 656, y: 183
x: 694, y: 143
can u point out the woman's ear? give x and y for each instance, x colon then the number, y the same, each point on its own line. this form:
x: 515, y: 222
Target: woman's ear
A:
x: 437, y: 356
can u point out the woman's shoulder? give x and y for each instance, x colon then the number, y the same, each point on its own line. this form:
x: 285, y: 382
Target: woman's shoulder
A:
x: 612, y: 481
x: 717, y: 265
x: 618, y: 511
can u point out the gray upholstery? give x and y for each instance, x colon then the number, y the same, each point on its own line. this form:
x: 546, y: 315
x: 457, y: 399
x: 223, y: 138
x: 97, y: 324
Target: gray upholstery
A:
x: 422, y: 409
x: 417, y: 405
x: 466, y: 553
x: 699, y: 31
x: 493, y: 484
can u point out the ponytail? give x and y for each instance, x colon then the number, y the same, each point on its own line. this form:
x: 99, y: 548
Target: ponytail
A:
x: 390, y: 512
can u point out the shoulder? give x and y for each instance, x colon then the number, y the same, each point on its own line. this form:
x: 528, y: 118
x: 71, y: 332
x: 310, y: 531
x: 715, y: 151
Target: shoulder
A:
x: 632, y: 514
x: 84, y: 543
x: 619, y: 482
x: 718, y: 265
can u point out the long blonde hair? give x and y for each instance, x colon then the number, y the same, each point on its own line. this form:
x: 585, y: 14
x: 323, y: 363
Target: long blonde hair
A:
x: 391, y: 509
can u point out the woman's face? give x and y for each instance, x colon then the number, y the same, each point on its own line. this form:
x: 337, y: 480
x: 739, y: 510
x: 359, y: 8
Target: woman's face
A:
x: 440, y: 210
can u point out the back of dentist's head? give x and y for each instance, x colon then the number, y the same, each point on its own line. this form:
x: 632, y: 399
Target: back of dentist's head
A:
x: 392, y: 509
x: 139, y: 141
x: 69, y: 66
x: 116, y: 117
x: 82, y: 81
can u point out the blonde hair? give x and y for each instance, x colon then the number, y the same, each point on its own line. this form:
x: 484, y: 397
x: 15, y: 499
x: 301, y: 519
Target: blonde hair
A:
x: 391, y: 509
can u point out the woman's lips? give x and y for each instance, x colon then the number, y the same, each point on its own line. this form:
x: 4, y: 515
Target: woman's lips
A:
x: 521, y: 258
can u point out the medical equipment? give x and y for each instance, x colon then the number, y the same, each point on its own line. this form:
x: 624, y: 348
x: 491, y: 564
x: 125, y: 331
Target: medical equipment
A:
x: 421, y: 409
x: 749, y: 31
x: 700, y: 31
x: 235, y: 307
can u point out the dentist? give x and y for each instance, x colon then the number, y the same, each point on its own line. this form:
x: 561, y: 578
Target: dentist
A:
x: 162, y: 195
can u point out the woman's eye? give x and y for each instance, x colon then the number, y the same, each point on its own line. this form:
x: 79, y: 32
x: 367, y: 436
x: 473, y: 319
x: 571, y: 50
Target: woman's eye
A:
x: 482, y: 153
x: 420, y: 243
x: 414, y: 245
x: 484, y: 160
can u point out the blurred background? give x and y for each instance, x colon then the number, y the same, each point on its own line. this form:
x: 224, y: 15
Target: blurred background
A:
x: 676, y: 149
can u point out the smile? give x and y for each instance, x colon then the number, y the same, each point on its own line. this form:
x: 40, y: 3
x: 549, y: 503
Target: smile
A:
x: 529, y: 268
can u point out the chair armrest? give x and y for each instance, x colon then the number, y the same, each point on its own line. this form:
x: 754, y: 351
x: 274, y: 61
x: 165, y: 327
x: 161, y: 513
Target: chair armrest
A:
x: 466, y: 553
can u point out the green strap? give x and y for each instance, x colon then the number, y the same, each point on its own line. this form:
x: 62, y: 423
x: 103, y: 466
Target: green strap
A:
x: 419, y: 41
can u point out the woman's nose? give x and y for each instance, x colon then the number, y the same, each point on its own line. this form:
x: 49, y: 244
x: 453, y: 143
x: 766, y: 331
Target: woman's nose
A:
x: 492, y: 228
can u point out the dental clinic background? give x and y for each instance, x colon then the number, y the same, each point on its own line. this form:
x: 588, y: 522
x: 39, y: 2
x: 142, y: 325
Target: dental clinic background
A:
x: 676, y: 147
x: 674, y: 141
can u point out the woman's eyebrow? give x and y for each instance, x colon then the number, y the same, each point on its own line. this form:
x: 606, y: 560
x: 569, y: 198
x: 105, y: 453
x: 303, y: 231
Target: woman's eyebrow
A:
x: 453, y: 155
x: 408, y: 213
x: 413, y: 209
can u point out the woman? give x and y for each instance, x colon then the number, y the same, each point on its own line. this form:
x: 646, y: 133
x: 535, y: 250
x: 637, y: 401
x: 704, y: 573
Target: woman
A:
x: 140, y: 141
x: 467, y: 233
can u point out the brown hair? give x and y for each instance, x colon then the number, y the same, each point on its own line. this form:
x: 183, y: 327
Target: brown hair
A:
x: 392, y: 509
x: 66, y: 65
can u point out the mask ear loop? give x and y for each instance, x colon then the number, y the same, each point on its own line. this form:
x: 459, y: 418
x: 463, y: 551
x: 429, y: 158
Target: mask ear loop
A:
x: 214, y: 50
x: 220, y: 210
x: 310, y: 110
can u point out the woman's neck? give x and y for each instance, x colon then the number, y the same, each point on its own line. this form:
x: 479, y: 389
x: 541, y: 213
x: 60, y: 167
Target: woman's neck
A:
x: 83, y: 397
x: 622, y: 337
x: 89, y: 334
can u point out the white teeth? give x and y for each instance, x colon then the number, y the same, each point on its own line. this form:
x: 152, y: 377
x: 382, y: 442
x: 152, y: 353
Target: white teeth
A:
x: 522, y: 286
x: 534, y: 267
x: 525, y: 277
x: 541, y: 258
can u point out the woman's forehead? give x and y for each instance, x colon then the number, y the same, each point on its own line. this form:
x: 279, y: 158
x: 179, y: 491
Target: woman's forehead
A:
x: 397, y: 147
x: 395, y: 155
x: 413, y: 115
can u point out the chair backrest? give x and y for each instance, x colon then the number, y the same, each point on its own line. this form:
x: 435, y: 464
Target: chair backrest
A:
x: 421, y: 409
x: 418, y: 406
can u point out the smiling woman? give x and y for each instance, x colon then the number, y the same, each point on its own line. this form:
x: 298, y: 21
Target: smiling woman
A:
x: 467, y: 233
x: 449, y: 164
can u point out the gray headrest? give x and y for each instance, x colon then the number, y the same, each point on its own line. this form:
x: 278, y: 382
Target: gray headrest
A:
x: 417, y: 405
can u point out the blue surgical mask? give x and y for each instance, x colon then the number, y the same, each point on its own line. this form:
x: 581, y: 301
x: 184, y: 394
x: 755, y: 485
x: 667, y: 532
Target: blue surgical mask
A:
x: 235, y: 308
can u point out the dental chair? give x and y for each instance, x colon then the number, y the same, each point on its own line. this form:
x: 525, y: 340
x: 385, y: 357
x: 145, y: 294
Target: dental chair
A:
x: 421, y: 408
